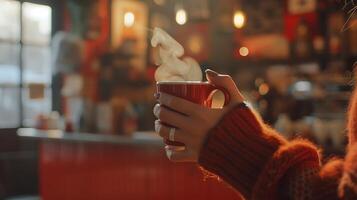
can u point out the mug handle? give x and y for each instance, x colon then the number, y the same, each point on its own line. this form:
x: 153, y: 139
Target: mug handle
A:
x: 227, y: 96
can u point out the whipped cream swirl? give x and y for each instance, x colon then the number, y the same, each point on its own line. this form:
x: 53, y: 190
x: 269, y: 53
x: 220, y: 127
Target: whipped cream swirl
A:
x: 171, y: 66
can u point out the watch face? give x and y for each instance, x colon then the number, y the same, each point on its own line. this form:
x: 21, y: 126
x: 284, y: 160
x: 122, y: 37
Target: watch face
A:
x: 301, y: 6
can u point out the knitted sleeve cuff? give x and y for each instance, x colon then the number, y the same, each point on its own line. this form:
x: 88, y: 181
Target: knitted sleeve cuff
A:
x: 292, y: 157
x: 326, y: 183
x: 238, y: 147
x: 249, y: 155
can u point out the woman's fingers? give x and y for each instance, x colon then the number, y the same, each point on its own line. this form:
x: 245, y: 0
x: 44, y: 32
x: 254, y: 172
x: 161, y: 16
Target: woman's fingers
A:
x: 179, y: 104
x: 226, y: 82
x: 180, y: 156
x: 169, y: 133
x: 170, y: 117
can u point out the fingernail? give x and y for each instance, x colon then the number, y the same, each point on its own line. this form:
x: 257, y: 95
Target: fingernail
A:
x: 157, y: 126
x: 210, y: 72
x: 168, y: 153
x: 157, y: 110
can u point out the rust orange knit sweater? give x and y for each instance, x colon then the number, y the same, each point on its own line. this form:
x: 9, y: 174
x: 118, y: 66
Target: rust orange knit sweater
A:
x: 260, y: 164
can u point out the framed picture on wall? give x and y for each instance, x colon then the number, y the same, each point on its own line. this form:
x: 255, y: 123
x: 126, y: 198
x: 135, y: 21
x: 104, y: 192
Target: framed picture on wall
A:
x: 301, y: 31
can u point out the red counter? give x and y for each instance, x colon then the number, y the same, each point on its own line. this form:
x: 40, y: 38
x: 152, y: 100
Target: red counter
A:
x: 77, y: 168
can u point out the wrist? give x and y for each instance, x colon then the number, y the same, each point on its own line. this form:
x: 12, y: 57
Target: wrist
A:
x: 237, y: 148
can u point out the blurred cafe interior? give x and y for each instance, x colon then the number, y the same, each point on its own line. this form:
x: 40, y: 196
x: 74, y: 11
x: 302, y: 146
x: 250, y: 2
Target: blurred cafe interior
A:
x: 77, y: 87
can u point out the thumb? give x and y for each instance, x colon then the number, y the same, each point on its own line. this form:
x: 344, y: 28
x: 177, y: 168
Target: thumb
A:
x: 226, y: 82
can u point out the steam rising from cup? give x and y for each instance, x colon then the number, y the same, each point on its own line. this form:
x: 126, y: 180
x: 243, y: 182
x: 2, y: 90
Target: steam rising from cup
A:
x: 171, y: 66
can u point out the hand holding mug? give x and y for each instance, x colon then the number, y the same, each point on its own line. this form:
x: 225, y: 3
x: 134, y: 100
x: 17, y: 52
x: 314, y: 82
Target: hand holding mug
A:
x: 191, y: 120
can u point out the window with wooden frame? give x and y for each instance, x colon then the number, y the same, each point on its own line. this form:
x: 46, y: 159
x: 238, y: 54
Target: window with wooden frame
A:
x: 25, y: 62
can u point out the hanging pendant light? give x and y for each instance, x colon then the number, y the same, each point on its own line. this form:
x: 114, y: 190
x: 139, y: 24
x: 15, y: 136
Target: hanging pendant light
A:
x: 181, y: 16
x: 239, y: 19
x: 129, y: 19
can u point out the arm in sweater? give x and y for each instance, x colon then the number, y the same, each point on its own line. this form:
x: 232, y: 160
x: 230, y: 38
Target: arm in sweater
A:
x: 259, y: 163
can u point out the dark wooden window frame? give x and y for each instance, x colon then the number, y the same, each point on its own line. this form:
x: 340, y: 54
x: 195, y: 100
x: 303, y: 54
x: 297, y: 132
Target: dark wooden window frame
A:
x: 21, y: 45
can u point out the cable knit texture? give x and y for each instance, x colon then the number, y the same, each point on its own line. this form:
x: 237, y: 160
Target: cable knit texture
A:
x: 326, y: 183
x: 252, y: 157
x: 260, y: 164
x: 297, y: 184
x: 293, y: 156
x: 348, y: 185
x: 352, y: 118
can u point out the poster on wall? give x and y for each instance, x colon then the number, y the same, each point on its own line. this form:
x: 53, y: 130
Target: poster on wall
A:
x: 129, y: 24
x: 292, y: 23
x: 302, y: 31
x: 36, y: 91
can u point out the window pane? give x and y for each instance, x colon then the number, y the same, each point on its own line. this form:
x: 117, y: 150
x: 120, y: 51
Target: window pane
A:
x: 36, y: 65
x: 36, y: 21
x: 10, y: 20
x: 34, y: 107
x: 9, y: 107
x: 9, y: 64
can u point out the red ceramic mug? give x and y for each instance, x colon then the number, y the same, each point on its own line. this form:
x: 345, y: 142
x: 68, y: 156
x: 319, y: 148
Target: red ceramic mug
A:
x: 195, y: 91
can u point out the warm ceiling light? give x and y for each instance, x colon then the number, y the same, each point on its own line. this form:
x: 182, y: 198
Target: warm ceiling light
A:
x: 244, y: 51
x: 181, y: 16
x: 129, y: 19
x: 239, y: 19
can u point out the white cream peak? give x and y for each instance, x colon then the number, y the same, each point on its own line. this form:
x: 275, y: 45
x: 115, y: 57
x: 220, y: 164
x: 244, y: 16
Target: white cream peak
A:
x: 171, y: 66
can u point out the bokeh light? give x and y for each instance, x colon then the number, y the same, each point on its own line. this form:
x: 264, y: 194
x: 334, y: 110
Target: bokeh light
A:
x: 244, y: 51
x: 238, y: 19
x: 181, y: 17
x: 129, y: 19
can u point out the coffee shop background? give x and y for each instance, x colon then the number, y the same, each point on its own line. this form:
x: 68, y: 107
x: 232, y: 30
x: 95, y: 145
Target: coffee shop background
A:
x: 87, y: 66
x: 296, y: 52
